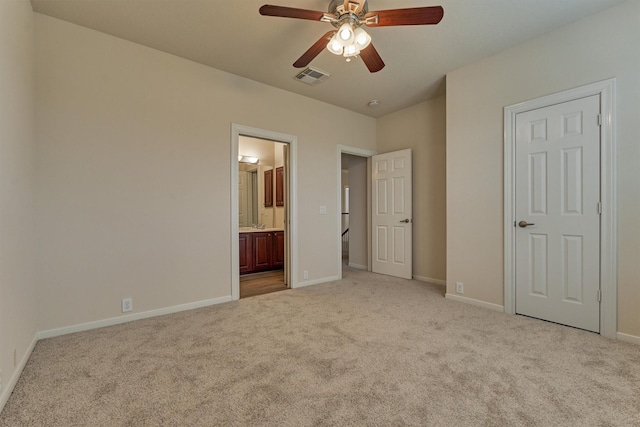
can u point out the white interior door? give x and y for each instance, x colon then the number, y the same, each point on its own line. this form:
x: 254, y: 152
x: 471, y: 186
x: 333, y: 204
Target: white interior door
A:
x: 391, y: 217
x: 557, y: 193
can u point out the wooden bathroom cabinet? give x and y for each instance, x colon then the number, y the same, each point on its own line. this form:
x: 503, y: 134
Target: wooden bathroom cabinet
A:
x: 261, y: 251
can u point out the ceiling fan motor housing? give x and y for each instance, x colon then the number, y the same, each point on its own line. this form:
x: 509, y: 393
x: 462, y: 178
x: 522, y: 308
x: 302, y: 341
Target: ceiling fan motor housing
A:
x: 336, y: 7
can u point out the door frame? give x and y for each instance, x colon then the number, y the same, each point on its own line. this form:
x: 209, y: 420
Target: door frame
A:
x: 361, y: 152
x: 291, y: 207
x: 608, y: 196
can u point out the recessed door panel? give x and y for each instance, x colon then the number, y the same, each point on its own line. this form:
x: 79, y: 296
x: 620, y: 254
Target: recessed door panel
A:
x: 572, y: 181
x: 571, y: 124
x: 538, y: 183
x: 538, y: 266
x: 398, y: 245
x: 538, y: 130
x: 398, y: 195
x: 382, y: 242
x: 398, y: 163
x: 572, y: 268
x: 382, y: 200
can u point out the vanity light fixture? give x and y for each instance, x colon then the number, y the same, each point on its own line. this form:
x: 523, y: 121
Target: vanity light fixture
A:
x: 248, y: 159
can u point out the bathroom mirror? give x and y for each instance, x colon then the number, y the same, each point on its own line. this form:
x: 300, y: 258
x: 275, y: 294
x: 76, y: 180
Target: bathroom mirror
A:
x: 251, y: 208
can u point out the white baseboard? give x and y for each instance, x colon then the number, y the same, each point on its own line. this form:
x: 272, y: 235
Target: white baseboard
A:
x: 130, y: 317
x: 10, y: 385
x: 476, y: 302
x: 628, y: 338
x: 358, y: 266
x: 430, y: 280
x: 316, y: 282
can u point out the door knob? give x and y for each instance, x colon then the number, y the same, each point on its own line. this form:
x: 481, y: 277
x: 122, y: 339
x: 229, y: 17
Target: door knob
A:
x: 406, y: 220
x: 525, y: 224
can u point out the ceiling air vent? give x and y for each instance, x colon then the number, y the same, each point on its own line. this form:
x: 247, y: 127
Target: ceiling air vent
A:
x: 312, y: 76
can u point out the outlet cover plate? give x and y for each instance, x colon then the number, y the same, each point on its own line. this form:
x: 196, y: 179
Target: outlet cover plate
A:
x: 127, y: 305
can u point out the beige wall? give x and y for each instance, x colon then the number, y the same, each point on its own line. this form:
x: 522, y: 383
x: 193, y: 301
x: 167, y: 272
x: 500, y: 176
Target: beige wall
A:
x: 593, y: 49
x: 18, y: 301
x: 134, y: 173
x: 422, y: 128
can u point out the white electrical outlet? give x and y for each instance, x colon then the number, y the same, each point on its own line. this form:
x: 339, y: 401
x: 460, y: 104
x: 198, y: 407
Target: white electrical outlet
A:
x: 305, y: 274
x: 127, y: 304
x: 460, y: 287
x: 323, y: 210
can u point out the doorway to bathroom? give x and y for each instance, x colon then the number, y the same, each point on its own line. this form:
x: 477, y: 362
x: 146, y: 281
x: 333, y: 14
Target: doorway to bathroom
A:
x: 263, y: 211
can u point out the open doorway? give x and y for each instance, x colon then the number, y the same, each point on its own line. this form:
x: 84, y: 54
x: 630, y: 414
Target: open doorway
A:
x: 354, y: 200
x: 263, y: 244
x: 261, y: 213
x: 354, y: 211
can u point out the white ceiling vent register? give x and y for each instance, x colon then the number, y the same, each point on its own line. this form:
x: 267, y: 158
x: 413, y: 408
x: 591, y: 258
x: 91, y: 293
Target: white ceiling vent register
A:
x: 312, y: 76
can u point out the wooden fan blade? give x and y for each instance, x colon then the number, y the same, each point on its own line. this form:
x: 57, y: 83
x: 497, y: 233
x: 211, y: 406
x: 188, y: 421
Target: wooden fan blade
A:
x: 314, y: 50
x: 290, y: 12
x: 372, y: 59
x: 413, y: 16
x: 356, y: 5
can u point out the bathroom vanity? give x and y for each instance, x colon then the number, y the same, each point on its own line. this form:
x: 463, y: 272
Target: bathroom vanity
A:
x: 261, y: 249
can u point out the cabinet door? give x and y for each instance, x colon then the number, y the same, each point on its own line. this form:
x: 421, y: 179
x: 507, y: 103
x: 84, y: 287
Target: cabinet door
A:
x: 278, y: 249
x: 262, y: 248
x: 268, y: 188
x: 280, y: 186
x: 246, y: 250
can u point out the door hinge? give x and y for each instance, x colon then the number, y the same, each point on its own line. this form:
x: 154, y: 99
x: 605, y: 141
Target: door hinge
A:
x: 599, y: 207
x: 599, y: 295
x: 599, y: 119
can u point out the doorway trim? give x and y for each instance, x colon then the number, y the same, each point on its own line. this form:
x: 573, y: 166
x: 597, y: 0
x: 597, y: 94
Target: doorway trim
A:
x: 290, y: 202
x: 361, y: 152
x: 608, y: 189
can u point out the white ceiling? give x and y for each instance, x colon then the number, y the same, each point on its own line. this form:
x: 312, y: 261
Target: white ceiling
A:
x: 231, y: 35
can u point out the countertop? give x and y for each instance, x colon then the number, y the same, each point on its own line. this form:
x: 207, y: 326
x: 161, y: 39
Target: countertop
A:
x: 256, y: 230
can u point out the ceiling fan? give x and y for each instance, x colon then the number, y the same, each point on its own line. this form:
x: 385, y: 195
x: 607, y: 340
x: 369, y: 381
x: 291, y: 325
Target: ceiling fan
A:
x: 349, y: 39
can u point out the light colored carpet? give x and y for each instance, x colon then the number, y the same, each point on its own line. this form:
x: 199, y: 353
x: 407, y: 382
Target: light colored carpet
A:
x: 366, y: 350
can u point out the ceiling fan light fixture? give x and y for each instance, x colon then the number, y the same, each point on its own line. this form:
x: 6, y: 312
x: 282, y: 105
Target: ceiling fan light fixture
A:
x: 345, y: 33
x: 351, y: 50
x: 362, y: 38
x: 334, y: 46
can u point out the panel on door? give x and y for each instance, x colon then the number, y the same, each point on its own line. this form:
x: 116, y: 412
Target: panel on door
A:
x: 245, y: 246
x: 262, y: 250
x: 268, y: 188
x: 557, y: 184
x: 278, y: 249
x: 391, y: 216
x: 280, y: 186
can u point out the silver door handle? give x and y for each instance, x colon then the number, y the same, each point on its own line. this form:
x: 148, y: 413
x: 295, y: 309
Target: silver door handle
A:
x: 406, y: 220
x: 525, y: 224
